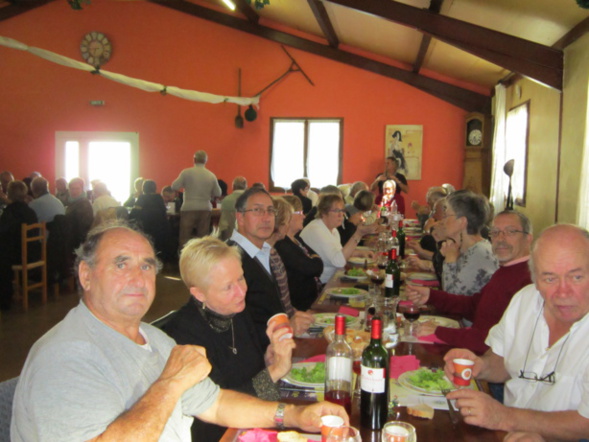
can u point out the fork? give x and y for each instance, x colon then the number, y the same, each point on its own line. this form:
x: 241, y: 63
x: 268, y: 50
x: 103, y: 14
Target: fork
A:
x: 453, y: 416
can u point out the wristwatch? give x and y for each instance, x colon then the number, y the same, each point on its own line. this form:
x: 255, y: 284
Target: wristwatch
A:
x: 279, y: 416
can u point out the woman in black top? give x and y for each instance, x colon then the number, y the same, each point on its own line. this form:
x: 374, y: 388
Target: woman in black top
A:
x: 214, y: 318
x: 303, y: 265
x: 300, y: 188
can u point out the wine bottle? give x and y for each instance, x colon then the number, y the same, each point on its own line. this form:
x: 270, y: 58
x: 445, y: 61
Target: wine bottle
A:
x: 395, y: 241
x: 338, y: 367
x: 401, y: 236
x: 374, y: 396
x: 393, y: 276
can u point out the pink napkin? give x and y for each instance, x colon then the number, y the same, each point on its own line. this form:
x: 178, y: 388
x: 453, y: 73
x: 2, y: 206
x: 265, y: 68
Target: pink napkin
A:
x: 403, y: 303
x: 316, y: 358
x: 401, y: 364
x: 257, y: 435
x: 432, y: 338
x: 345, y: 310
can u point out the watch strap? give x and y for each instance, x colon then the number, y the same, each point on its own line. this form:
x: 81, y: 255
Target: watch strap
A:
x: 279, y: 416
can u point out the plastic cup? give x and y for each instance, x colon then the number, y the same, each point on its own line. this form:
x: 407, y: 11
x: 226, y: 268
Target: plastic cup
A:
x: 328, y: 423
x: 462, y: 371
x: 280, y: 320
x: 398, y: 431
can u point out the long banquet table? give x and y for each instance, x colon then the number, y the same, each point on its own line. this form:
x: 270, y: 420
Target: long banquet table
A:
x: 440, y: 428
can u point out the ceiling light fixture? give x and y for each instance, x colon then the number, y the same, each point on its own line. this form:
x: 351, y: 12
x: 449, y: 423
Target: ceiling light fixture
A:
x: 229, y: 4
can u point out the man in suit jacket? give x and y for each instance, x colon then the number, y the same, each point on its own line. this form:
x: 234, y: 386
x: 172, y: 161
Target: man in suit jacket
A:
x: 255, y: 215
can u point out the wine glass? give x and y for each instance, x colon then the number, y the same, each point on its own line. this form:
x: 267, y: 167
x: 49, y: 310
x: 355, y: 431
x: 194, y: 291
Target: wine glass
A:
x: 344, y: 434
x: 397, y: 431
x: 411, y: 313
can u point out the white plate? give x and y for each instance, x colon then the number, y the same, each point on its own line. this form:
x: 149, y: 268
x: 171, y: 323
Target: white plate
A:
x: 336, y: 292
x: 440, y: 321
x: 309, y: 366
x: 422, y: 276
x: 405, y: 382
x: 325, y: 319
x: 355, y: 277
x: 358, y: 260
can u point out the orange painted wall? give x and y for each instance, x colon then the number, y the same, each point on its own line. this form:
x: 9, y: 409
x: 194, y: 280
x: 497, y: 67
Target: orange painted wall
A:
x: 154, y: 43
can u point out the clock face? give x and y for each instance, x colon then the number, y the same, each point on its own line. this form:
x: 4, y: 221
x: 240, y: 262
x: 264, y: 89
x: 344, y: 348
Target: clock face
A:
x: 96, y: 48
x: 475, y: 137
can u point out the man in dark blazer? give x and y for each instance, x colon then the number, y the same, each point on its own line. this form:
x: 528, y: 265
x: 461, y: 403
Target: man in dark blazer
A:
x: 255, y: 216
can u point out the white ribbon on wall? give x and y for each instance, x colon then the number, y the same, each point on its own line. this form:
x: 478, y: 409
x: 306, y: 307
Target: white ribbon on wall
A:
x: 144, y: 85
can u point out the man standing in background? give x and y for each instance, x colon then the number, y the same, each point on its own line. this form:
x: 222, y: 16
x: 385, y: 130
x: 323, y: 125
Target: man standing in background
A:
x: 200, y: 186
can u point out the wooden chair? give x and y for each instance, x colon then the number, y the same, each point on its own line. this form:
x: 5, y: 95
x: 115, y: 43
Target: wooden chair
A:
x: 32, y: 235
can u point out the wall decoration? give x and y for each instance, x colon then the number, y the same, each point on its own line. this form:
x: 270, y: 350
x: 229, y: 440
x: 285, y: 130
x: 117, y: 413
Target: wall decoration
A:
x: 404, y: 142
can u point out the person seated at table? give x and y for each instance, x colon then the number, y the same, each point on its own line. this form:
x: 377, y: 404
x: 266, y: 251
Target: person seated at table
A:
x: 469, y: 262
x: 103, y: 200
x: 266, y: 296
x: 354, y: 189
x: 137, y: 192
x: 390, y: 199
x: 355, y: 215
x: 303, y: 265
x: 102, y: 374
x: 424, y: 213
x: 511, y: 235
x: 78, y: 213
x: 45, y: 205
x: 427, y: 245
x: 300, y: 188
x: 325, y: 190
x: 13, y: 216
x: 391, y: 173
x: 215, y: 318
x: 227, y: 219
x: 322, y: 235
x: 539, y: 348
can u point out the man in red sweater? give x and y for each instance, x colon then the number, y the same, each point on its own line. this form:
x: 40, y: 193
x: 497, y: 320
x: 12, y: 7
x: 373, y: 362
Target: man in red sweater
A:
x: 511, y: 236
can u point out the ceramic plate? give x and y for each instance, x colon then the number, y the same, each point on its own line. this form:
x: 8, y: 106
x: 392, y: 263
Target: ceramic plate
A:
x: 355, y: 276
x: 422, y: 276
x: 440, y: 321
x: 325, y: 319
x: 346, y: 292
x: 358, y: 260
x: 291, y: 379
x: 405, y: 382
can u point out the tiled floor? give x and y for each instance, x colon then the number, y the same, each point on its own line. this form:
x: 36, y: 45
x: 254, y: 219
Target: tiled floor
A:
x: 19, y: 330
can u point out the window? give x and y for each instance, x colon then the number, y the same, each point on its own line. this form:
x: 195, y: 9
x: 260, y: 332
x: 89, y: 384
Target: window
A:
x: 305, y: 147
x: 516, y: 148
x: 111, y: 157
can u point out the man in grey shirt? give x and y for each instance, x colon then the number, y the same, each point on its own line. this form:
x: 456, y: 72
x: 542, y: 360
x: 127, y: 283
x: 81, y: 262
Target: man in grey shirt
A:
x: 200, y: 186
x: 102, y: 373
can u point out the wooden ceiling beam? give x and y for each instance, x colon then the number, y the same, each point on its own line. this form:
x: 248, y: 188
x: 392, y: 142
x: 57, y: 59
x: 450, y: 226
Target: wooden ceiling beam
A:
x: 573, y: 35
x: 460, y: 97
x: 245, y: 9
x: 16, y: 8
x: 435, y: 6
x: 541, y: 63
x: 322, y: 18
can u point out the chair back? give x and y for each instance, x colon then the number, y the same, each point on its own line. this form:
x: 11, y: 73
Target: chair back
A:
x: 162, y: 321
x: 6, y: 398
x: 33, y: 257
x: 57, y: 259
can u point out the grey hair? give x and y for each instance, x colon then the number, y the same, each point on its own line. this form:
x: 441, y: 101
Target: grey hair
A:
x: 474, y: 207
x: 242, y: 200
x: 523, y: 220
x: 87, y: 250
x: 201, y: 157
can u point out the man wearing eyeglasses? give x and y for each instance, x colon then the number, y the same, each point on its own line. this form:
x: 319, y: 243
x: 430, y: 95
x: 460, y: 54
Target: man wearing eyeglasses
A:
x: 255, y: 216
x: 511, y: 237
x: 540, y: 347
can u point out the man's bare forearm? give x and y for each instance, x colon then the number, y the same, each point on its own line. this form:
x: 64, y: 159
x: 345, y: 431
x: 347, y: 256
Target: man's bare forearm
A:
x: 145, y: 421
x: 493, y: 368
x: 561, y: 425
x: 233, y: 409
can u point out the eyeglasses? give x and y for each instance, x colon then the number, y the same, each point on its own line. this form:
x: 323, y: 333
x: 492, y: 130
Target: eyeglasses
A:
x: 549, y: 378
x: 338, y: 210
x: 260, y: 211
x: 494, y: 233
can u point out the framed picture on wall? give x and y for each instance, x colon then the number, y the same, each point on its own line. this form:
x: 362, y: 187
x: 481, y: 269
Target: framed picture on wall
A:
x: 404, y: 142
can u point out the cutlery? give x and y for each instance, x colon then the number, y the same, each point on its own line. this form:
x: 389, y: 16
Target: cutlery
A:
x: 453, y: 416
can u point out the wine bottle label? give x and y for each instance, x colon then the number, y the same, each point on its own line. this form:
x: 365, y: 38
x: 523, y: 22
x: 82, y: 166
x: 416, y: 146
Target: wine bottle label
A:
x: 388, y: 282
x: 373, y: 379
x: 340, y: 368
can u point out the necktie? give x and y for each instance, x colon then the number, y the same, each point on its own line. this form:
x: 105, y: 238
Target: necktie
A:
x: 279, y: 272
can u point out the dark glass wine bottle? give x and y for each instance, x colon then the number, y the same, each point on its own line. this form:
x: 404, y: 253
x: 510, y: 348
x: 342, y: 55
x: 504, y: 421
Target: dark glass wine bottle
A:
x: 338, y: 367
x: 393, y: 276
x: 401, y: 236
x: 374, y: 397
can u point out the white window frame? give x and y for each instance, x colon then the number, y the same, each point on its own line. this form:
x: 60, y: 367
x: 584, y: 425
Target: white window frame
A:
x: 305, y: 173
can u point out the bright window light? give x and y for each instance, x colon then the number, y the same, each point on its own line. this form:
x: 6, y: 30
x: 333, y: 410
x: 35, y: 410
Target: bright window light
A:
x: 323, y: 155
x: 115, y: 174
x: 72, y: 160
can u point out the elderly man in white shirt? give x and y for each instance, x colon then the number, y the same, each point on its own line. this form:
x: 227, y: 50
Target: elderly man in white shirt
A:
x: 540, y: 347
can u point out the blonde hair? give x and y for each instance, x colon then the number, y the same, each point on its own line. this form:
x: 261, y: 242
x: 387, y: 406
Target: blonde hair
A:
x: 294, y: 201
x: 198, y: 258
x: 284, y: 212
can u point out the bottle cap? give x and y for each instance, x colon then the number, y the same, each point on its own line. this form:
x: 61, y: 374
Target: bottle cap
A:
x: 340, y: 325
x: 376, y: 331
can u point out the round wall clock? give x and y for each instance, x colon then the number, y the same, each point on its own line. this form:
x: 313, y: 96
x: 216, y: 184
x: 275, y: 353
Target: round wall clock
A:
x: 96, y: 48
x: 475, y: 137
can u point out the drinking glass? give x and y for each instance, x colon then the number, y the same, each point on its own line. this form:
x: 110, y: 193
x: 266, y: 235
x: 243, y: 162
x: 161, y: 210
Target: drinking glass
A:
x: 344, y: 434
x: 411, y: 313
x: 397, y: 431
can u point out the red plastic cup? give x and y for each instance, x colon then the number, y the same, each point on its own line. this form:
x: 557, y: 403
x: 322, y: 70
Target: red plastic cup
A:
x: 462, y: 371
x: 280, y: 320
